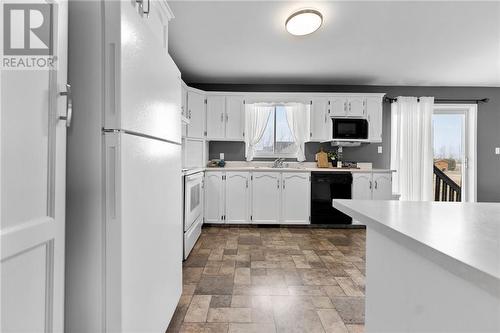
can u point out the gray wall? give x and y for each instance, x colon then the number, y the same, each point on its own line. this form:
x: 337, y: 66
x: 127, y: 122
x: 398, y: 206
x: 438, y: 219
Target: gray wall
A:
x: 488, y: 173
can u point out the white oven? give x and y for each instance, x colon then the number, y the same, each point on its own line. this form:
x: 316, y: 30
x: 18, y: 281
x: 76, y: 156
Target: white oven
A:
x: 193, y: 210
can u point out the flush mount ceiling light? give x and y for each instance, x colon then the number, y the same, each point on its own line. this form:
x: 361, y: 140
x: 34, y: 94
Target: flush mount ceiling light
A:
x: 304, y: 22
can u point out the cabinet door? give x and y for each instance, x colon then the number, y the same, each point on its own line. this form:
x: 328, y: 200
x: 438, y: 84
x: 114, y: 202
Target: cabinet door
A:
x: 295, y: 198
x: 237, y: 197
x: 184, y: 101
x: 214, y: 197
x: 235, y: 121
x: 196, y: 115
x: 361, y: 185
x: 374, y: 115
x: 382, y: 186
x: 216, y: 114
x: 193, y: 151
x: 319, y: 120
x: 266, y: 189
x: 356, y: 106
x: 338, y: 107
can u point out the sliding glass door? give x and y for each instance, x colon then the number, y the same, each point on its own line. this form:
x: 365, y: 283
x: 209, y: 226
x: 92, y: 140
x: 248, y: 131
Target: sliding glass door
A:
x: 454, y: 150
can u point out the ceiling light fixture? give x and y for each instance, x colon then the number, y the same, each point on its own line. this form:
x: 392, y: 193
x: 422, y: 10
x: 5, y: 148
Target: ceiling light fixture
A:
x: 304, y: 22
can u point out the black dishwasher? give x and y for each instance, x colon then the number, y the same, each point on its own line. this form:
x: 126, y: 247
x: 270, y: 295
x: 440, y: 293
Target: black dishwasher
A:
x: 326, y: 186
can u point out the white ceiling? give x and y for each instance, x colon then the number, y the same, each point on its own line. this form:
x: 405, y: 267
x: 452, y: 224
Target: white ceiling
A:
x: 374, y: 43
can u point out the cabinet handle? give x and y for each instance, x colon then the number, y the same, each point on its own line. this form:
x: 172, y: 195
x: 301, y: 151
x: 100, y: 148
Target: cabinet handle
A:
x: 349, y: 106
x: 247, y: 183
x: 325, y: 117
x: 283, y: 184
x: 345, y: 106
x: 375, y: 184
x: 278, y: 183
x: 141, y: 7
x: 227, y: 118
x: 370, y: 184
x: 221, y: 117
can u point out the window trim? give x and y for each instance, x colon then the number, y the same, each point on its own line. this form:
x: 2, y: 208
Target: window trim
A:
x: 260, y: 155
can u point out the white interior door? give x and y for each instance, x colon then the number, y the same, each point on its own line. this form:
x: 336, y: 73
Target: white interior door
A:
x: 33, y: 161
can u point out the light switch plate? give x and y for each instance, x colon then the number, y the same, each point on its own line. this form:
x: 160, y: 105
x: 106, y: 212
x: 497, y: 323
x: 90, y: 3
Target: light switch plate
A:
x: 497, y: 150
x: 379, y: 149
x: 221, y: 156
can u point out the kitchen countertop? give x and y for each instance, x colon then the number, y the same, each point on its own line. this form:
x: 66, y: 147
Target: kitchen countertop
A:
x: 462, y: 237
x: 295, y: 169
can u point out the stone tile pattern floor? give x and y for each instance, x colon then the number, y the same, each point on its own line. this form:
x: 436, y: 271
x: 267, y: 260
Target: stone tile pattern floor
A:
x: 259, y: 279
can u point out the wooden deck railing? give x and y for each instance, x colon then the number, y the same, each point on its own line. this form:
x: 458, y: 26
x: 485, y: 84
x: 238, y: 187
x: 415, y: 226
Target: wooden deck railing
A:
x: 445, y: 189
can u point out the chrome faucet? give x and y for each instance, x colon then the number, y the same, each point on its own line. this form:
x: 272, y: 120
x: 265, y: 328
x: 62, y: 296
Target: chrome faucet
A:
x: 278, y: 163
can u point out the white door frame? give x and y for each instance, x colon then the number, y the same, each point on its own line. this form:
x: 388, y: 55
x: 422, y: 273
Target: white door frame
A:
x: 470, y: 145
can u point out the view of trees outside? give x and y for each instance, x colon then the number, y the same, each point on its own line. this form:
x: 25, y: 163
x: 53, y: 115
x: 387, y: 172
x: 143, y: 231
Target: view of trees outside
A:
x: 284, y: 143
x: 448, y: 144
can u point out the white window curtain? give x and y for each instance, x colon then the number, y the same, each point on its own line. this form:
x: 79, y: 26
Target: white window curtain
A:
x: 412, y: 147
x: 256, y: 117
x: 297, y: 116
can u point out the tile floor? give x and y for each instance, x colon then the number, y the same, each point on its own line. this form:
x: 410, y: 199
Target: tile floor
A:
x: 273, y: 280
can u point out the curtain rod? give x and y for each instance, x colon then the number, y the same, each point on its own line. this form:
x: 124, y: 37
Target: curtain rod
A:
x: 445, y: 100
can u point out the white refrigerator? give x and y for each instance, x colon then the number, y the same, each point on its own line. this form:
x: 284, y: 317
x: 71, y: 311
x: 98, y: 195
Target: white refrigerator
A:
x: 124, y: 218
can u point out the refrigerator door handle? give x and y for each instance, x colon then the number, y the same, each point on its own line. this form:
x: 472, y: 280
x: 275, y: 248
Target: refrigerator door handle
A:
x: 69, y: 105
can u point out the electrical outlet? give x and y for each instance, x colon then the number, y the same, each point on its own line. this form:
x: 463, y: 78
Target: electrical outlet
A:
x: 221, y: 156
x: 497, y: 150
x: 379, y: 149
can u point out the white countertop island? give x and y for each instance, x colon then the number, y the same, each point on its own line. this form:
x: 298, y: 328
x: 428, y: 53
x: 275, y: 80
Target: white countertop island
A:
x: 431, y: 266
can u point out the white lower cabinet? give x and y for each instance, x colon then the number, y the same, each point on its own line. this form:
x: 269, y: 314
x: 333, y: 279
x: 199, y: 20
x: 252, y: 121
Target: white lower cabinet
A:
x: 257, y: 197
x: 266, y: 192
x: 382, y: 186
x: 214, y: 197
x: 237, y: 194
x: 371, y: 185
x: 295, y: 198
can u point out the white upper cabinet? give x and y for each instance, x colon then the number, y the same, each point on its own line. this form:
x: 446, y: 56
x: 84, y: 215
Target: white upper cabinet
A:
x: 374, y: 115
x: 338, y: 107
x: 225, y: 118
x: 196, y: 115
x: 237, y: 185
x: 235, y: 121
x: 355, y: 107
x: 266, y: 197
x: 184, y: 101
x: 319, y: 120
x: 295, y: 198
x: 382, y: 186
x: 158, y: 14
x: 216, y: 117
x: 361, y: 186
x: 214, y: 197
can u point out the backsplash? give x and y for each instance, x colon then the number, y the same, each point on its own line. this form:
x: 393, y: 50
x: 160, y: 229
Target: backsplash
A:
x: 235, y: 151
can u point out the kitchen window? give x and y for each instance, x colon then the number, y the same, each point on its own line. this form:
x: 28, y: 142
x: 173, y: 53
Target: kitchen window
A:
x: 278, y: 139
